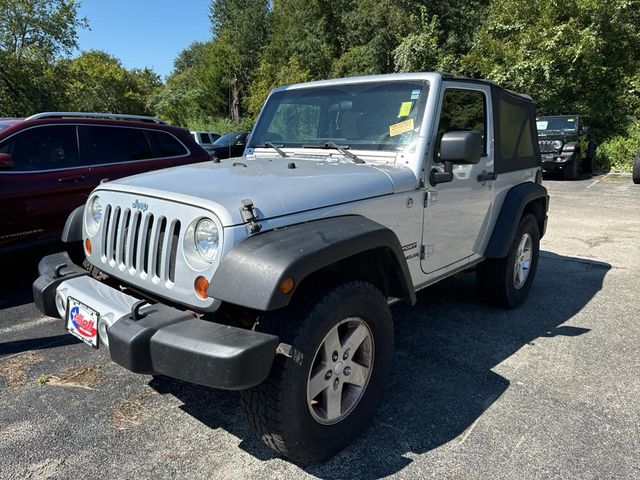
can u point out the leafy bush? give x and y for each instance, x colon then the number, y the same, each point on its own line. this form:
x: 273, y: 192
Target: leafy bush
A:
x: 617, y: 153
x: 220, y: 125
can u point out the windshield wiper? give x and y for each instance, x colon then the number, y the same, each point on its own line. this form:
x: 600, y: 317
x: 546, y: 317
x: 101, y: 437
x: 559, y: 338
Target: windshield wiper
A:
x: 277, y: 148
x: 341, y: 148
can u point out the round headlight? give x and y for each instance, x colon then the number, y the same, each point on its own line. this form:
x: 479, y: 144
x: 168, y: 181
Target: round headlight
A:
x: 96, y: 209
x: 93, y: 215
x: 207, y: 239
x: 557, y: 144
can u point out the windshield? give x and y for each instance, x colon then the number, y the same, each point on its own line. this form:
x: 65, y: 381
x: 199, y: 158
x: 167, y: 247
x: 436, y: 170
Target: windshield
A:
x: 367, y: 116
x: 557, y: 124
x: 228, y: 139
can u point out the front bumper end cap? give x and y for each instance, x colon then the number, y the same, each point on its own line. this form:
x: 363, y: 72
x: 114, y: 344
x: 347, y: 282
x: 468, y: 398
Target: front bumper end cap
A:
x: 167, y: 341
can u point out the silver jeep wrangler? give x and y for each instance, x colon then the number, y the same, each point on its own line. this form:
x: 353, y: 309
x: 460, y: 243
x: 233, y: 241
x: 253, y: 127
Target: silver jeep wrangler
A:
x: 273, y: 273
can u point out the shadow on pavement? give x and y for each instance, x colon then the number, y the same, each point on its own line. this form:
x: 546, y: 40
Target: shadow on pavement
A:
x: 441, y: 381
x: 20, y: 270
x: 19, y: 346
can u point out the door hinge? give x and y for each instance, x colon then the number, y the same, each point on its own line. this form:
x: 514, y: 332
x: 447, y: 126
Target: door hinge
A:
x: 425, y: 251
x: 430, y: 198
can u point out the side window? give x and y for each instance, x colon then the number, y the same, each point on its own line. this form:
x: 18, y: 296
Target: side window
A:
x: 115, y: 144
x: 515, y: 128
x: 204, y: 138
x: 463, y: 111
x: 165, y: 145
x: 43, y: 148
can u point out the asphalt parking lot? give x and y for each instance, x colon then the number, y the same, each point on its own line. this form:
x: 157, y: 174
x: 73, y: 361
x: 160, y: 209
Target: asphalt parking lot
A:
x: 550, y: 390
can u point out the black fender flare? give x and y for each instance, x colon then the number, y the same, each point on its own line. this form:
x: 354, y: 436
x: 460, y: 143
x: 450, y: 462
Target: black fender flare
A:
x: 516, y: 201
x: 251, y: 272
x: 72, y: 231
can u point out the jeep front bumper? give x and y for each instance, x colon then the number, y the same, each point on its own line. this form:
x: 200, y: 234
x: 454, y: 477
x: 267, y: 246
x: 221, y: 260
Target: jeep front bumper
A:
x: 159, y: 340
x: 555, y: 160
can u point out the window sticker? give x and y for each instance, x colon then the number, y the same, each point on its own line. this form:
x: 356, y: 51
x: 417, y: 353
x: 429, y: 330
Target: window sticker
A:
x: 415, y: 94
x: 402, y: 127
x: 405, y: 109
x: 542, y: 124
x: 571, y: 119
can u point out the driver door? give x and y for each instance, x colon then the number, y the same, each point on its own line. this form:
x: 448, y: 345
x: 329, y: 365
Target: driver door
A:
x: 457, y: 213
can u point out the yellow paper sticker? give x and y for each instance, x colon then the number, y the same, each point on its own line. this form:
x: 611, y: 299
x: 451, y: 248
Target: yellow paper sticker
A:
x: 570, y: 119
x: 402, y: 127
x: 405, y: 109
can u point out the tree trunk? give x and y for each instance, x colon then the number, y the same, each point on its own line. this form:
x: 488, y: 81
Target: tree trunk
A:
x: 234, y: 101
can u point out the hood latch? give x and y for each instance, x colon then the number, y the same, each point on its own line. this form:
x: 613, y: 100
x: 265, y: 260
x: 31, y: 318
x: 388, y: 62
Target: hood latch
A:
x: 248, y: 212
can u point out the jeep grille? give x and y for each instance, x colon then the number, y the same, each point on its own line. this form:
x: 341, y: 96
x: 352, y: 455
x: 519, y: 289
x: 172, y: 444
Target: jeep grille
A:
x: 140, y: 242
x: 546, y: 146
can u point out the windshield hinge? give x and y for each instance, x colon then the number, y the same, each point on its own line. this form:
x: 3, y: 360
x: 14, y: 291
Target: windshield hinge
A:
x: 249, y: 216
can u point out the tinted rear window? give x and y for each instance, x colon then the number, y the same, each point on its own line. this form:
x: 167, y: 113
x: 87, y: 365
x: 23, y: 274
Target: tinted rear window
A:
x: 165, y: 145
x: 43, y: 148
x: 228, y: 139
x: 115, y: 144
x: 204, y: 137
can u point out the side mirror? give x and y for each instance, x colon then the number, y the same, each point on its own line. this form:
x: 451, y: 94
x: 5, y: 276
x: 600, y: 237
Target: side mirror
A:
x: 461, y: 147
x: 585, y: 129
x: 6, y: 162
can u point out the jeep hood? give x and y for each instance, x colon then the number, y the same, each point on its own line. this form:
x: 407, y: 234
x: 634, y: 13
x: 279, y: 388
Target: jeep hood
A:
x: 276, y: 186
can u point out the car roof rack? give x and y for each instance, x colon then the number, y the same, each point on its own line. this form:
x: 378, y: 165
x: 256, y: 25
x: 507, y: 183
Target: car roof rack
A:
x: 123, y: 116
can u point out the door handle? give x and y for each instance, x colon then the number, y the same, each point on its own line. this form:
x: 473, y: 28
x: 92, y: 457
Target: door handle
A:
x: 71, y: 179
x: 487, y: 176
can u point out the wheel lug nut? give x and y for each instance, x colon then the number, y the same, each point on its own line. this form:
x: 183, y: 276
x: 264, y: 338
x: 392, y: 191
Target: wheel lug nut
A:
x: 327, y: 375
x: 347, y: 370
x: 335, y: 356
x: 346, y: 354
x: 336, y: 382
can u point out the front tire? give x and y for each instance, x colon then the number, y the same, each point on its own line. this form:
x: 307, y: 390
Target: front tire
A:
x: 316, y: 402
x: 571, y: 170
x: 506, y: 281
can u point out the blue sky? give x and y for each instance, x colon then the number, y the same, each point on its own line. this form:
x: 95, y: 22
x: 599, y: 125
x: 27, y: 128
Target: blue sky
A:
x: 144, y: 33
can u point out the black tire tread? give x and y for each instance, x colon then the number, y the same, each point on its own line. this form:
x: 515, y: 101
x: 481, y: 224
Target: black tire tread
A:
x: 260, y: 403
x: 636, y: 169
x: 493, y: 274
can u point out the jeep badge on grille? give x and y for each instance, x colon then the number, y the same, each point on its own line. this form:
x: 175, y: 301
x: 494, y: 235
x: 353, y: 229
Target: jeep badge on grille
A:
x: 140, y: 205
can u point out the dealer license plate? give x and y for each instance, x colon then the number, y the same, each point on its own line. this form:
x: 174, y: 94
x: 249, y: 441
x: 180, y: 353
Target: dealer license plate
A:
x: 82, y: 322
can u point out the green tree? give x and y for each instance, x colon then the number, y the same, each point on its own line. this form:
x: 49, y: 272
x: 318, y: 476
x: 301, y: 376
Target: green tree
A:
x: 571, y: 56
x: 198, y: 93
x: 33, y: 35
x: 241, y: 29
x: 97, y: 82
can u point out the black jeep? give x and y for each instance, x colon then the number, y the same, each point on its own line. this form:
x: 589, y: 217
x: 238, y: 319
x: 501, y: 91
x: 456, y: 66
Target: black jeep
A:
x: 565, y: 145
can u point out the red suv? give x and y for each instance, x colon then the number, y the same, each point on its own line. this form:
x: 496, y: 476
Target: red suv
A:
x: 51, y: 161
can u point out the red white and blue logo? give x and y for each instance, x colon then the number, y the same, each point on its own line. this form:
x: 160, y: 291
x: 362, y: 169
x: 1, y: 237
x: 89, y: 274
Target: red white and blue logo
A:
x: 84, y: 326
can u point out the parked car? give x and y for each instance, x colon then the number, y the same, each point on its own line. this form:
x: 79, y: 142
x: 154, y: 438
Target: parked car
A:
x: 565, y: 145
x: 229, y: 145
x: 205, y: 139
x: 50, y: 162
x: 635, y: 175
x: 273, y: 273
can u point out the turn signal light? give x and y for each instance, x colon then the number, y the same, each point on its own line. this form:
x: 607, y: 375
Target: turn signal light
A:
x: 286, y: 286
x: 200, y: 285
x: 87, y: 246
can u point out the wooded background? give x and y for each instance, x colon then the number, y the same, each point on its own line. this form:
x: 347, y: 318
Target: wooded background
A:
x: 571, y: 56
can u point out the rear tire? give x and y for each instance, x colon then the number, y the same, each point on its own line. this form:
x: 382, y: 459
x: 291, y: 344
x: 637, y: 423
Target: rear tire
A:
x: 506, y: 282
x: 312, y: 405
x: 636, y: 169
